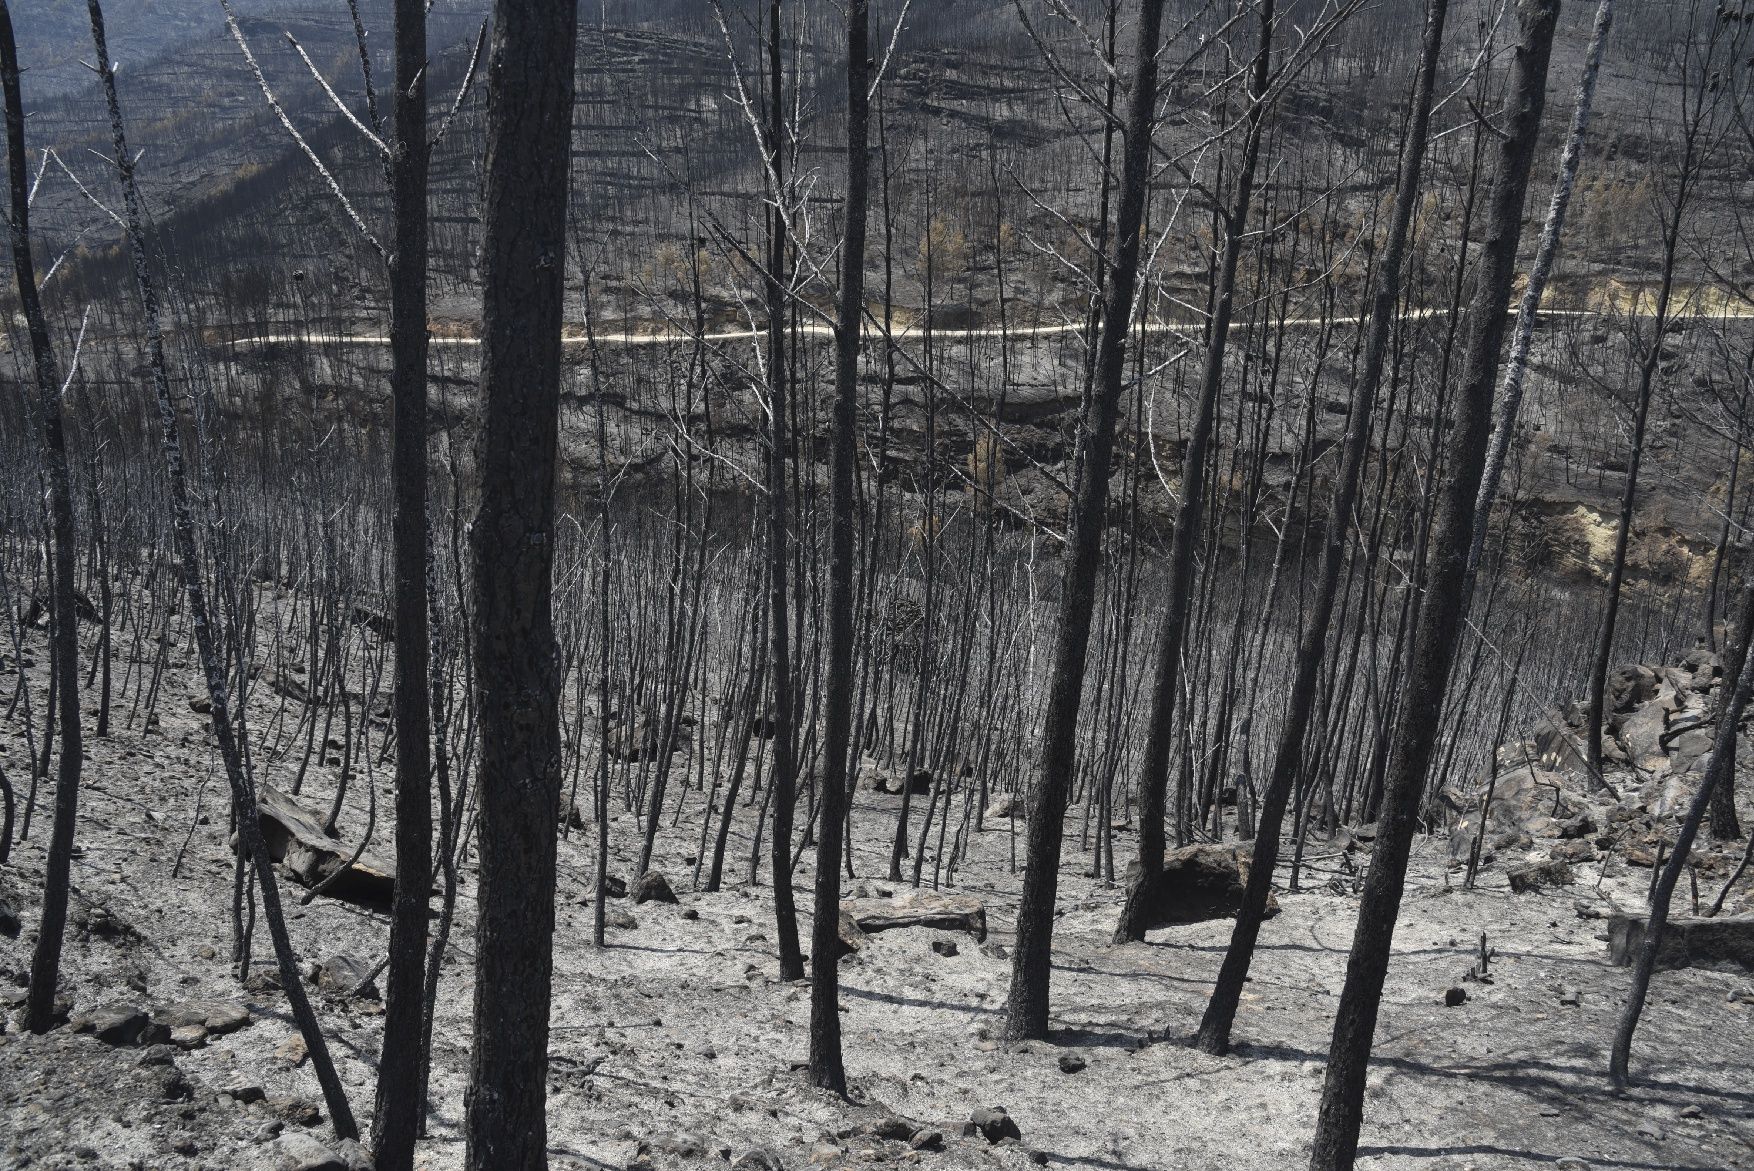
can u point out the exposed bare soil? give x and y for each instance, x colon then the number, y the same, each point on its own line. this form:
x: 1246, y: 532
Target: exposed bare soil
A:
x: 679, y: 1037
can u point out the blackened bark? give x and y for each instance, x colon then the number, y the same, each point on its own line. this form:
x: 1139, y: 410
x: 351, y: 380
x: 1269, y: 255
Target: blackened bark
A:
x: 45, y: 962
x: 1220, y: 1015
x: 826, y: 1067
x: 243, y: 793
x: 1440, y: 617
x: 1026, y: 1009
x: 396, y: 1121
x: 523, y: 264
x: 785, y: 739
x: 1185, y: 544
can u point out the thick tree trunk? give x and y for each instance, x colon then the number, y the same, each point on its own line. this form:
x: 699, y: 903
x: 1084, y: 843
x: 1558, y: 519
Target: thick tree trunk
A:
x: 45, y: 962
x: 523, y: 266
x: 396, y: 1121
x: 1440, y: 617
x: 1190, y: 513
x: 1220, y: 1015
x: 826, y: 1067
x: 1031, y: 960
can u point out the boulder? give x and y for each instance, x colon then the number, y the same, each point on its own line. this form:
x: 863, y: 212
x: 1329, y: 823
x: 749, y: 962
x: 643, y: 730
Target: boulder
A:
x: 921, y: 908
x: 113, y: 1024
x: 298, y: 1151
x: 341, y: 974
x: 1535, y: 876
x: 992, y: 1124
x: 1003, y: 806
x: 215, y: 1015
x: 296, y: 840
x: 1725, y: 943
x: 652, y: 887
x: 1198, y: 883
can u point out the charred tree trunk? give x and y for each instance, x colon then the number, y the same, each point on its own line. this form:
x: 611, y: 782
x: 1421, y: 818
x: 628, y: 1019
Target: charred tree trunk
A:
x: 396, y: 1120
x: 826, y: 1067
x: 1184, y: 545
x: 45, y: 962
x: 1031, y: 961
x: 1220, y: 1015
x: 1440, y: 617
x: 523, y: 262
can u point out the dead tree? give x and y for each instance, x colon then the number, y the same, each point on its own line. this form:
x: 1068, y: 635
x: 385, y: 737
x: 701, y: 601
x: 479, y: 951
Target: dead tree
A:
x: 1026, y: 1006
x: 523, y: 266
x: 1185, y: 543
x: 1220, y: 1015
x: 45, y: 962
x: 826, y: 1067
x: 1718, y: 772
x: 213, y: 662
x: 396, y: 1121
x: 1440, y: 615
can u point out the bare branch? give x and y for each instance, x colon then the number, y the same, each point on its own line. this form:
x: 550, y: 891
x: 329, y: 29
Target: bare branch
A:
x: 231, y: 23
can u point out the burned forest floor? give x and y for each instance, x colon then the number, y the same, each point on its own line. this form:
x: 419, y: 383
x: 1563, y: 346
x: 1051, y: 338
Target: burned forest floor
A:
x: 677, y: 1046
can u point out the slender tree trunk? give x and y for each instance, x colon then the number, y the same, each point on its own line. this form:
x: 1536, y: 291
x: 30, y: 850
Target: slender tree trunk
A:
x: 785, y: 738
x: 1031, y: 960
x: 1184, y: 545
x: 1717, y: 773
x: 1517, y: 364
x: 243, y: 793
x: 1440, y: 617
x: 45, y: 963
x: 826, y: 1067
x: 396, y: 1120
x: 523, y: 264
x: 1220, y: 1015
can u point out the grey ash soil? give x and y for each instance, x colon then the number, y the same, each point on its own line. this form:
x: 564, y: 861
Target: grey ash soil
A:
x: 679, y: 1037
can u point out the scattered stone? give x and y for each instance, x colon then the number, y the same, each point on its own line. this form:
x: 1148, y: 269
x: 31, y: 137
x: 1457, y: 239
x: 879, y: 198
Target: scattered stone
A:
x: 1570, y: 997
x: 1540, y: 875
x: 341, y: 974
x: 292, y: 1050
x: 116, y: 1024
x: 993, y: 1124
x: 245, y: 1092
x: 927, y: 1140
x: 218, y: 1017
x: 1455, y: 997
x: 944, y: 947
x: 1571, y: 1163
x: 1072, y: 1063
x: 294, y: 1110
x: 652, y: 887
x: 619, y: 918
x: 822, y: 1154
x: 299, y: 1151
x: 894, y: 1129
x: 1725, y: 943
x: 759, y: 1159
x: 688, y: 913
x: 189, y: 1036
